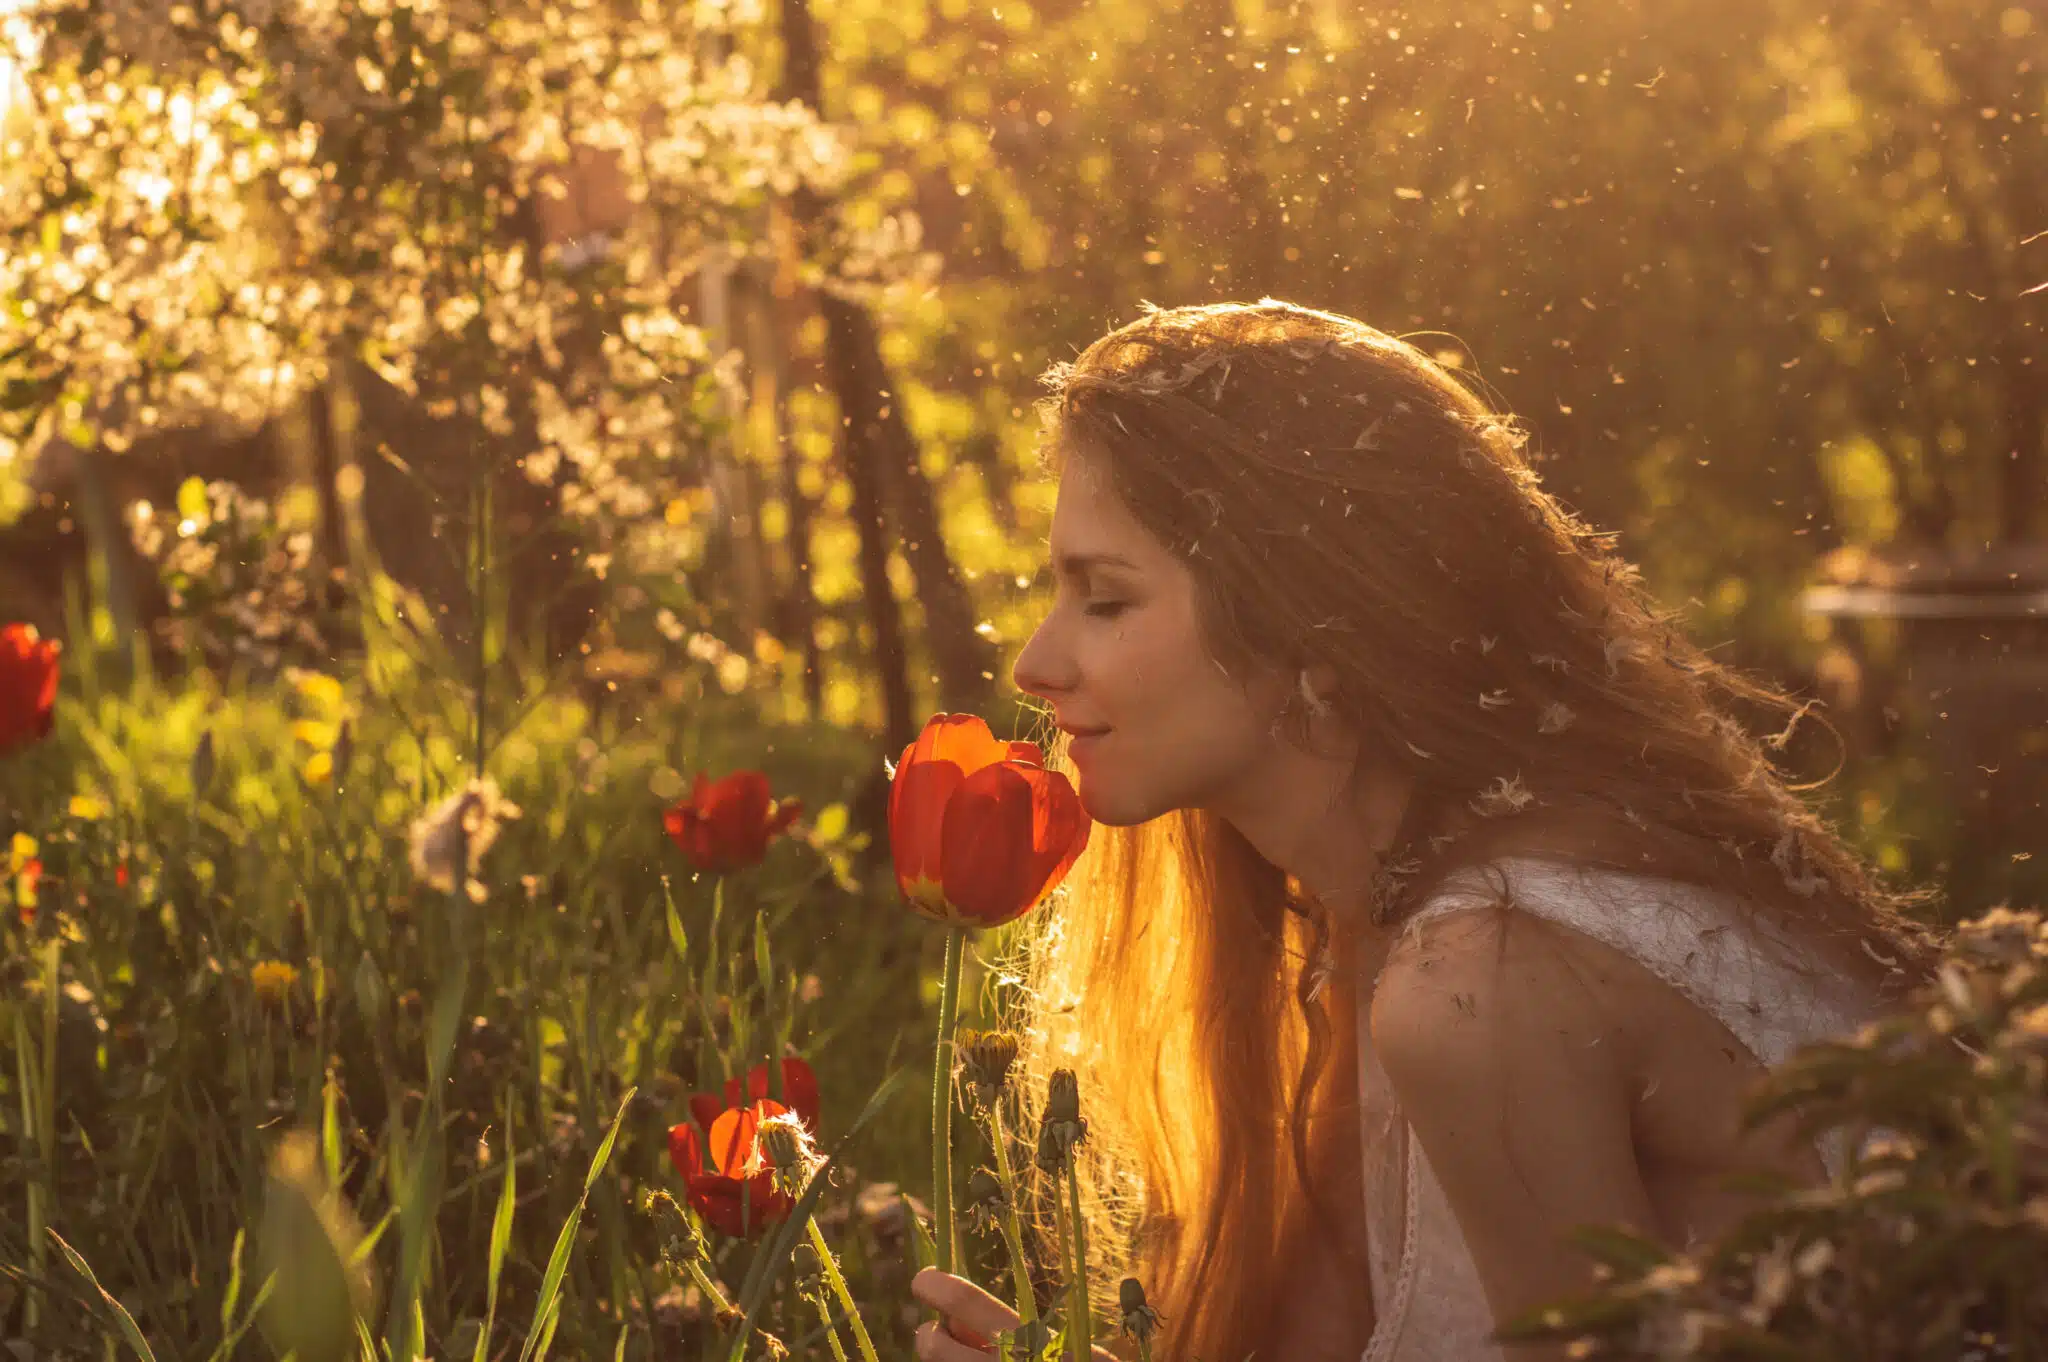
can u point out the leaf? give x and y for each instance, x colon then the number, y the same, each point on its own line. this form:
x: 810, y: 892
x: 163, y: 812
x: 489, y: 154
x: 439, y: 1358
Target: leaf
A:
x: 121, y: 1315
x: 542, y: 1330
x: 677, y: 937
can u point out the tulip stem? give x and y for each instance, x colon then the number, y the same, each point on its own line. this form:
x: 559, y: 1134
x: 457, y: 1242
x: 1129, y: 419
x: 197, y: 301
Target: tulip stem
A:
x: 1082, y: 1325
x: 1013, y: 1230
x: 837, y: 1281
x: 942, y: 1102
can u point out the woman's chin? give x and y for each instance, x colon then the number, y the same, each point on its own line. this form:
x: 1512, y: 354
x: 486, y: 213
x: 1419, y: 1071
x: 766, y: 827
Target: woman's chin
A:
x: 1112, y: 809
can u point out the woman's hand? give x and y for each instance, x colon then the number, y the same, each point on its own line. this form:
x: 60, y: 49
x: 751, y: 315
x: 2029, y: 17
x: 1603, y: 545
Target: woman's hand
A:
x: 972, y: 1319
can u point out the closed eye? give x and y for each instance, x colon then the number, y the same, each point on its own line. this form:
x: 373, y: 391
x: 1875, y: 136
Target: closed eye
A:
x: 1107, y: 610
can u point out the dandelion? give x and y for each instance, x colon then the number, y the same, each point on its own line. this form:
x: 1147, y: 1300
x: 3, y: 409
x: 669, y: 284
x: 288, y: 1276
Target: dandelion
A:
x: 272, y: 980
x: 448, y: 841
x: 786, y: 1147
x: 1139, y: 1319
x: 985, y: 1203
x: 986, y: 1060
x: 1061, y: 1128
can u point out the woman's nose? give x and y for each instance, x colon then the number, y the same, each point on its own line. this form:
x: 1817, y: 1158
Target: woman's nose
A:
x: 1041, y: 669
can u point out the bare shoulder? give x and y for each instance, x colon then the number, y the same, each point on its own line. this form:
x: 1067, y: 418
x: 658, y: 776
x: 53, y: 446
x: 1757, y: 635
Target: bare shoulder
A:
x: 1493, y: 977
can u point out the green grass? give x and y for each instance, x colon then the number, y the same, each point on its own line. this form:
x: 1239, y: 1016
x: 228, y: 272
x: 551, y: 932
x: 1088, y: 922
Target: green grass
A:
x: 483, y: 1085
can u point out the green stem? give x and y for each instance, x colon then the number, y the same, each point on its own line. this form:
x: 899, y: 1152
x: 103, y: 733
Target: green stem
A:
x: 1083, y: 1323
x: 942, y: 1101
x: 831, y: 1332
x: 1144, y: 1349
x: 708, y: 1288
x: 31, y: 1127
x: 1060, y: 1218
x: 1013, y: 1230
x: 837, y: 1282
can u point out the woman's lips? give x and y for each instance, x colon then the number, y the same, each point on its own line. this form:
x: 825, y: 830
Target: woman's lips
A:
x: 1084, y: 743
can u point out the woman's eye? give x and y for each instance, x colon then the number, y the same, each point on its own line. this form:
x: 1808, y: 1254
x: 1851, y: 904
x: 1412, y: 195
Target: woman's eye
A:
x: 1107, y: 610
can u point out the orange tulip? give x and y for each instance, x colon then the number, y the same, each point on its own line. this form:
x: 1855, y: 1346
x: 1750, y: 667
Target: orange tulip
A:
x: 28, y: 685
x: 980, y: 831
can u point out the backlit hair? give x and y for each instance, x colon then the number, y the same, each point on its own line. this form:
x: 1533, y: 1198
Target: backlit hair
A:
x: 1343, y: 500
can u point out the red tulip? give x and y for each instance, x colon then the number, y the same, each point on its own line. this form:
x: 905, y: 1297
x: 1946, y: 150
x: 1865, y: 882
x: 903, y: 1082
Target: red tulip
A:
x: 726, y: 824
x: 736, y: 1193
x: 28, y: 685
x: 799, y: 1094
x: 979, y: 829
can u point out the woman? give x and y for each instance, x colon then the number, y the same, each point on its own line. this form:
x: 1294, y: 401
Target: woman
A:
x: 1440, y: 905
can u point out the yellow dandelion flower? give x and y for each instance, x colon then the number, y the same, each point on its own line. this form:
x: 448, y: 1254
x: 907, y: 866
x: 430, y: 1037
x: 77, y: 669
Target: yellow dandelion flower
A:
x: 20, y: 852
x: 318, y: 734
x: 319, y: 690
x: 319, y: 768
x: 89, y: 807
x: 273, y: 980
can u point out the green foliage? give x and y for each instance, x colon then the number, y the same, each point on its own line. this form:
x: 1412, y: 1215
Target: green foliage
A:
x: 1929, y: 1242
x: 250, y: 989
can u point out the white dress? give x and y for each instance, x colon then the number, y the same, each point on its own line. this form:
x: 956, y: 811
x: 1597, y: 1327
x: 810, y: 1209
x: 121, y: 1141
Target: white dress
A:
x: 1429, y: 1304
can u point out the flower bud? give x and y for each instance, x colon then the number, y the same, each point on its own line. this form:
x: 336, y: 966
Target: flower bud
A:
x: 1139, y: 1318
x: 1063, y: 1096
x: 781, y: 1143
x: 985, y: 1201
x: 986, y: 1060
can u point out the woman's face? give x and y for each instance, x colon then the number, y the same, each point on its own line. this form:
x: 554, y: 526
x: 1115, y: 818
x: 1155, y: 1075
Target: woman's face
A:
x: 1156, y: 724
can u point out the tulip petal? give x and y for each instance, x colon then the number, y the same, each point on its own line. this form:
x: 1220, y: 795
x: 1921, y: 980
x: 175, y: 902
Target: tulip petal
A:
x: 706, y: 1106
x: 740, y: 1208
x: 951, y: 747
x: 733, y: 1135
x: 1010, y: 834
x: 684, y: 1151
x: 1027, y: 753
x: 799, y: 1089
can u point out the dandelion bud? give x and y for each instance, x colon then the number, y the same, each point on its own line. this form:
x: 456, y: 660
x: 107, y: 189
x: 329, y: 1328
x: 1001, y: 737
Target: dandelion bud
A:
x: 1139, y: 1318
x: 986, y: 1060
x: 985, y: 1201
x: 1061, y: 1127
x: 787, y: 1150
x: 1063, y: 1096
x: 682, y: 1243
x: 782, y: 1142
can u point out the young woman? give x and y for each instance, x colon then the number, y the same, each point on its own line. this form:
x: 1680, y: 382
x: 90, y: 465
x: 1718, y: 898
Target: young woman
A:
x: 1440, y: 904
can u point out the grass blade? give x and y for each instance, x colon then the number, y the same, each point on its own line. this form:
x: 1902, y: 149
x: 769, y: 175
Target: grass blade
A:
x: 565, y: 1242
x: 677, y: 937
x: 121, y: 1315
x: 233, y: 1294
x: 501, y: 1236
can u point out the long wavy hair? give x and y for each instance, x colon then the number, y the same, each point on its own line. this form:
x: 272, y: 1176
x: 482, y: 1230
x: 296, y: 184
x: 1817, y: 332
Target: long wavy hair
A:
x: 1343, y: 500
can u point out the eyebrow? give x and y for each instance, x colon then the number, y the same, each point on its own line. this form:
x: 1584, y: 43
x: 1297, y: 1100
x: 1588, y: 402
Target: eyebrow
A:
x: 1078, y: 564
